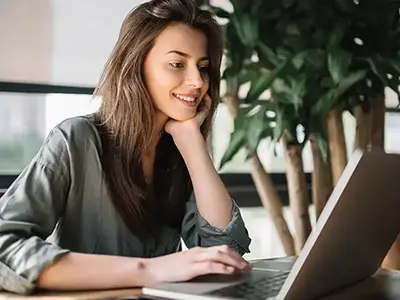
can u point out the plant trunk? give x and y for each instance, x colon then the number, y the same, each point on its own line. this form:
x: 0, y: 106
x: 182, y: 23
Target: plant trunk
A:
x: 321, y: 179
x: 337, y: 143
x: 266, y: 190
x: 363, y: 116
x: 271, y: 201
x: 298, y: 192
x: 378, y: 121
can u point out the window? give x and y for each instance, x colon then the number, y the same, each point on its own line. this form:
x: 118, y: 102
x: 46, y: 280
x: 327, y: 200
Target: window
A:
x: 26, y: 119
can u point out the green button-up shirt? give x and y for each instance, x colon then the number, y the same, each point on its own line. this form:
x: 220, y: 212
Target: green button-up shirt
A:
x: 59, y: 204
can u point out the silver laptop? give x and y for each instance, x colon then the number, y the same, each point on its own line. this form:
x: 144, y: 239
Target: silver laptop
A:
x: 360, y: 222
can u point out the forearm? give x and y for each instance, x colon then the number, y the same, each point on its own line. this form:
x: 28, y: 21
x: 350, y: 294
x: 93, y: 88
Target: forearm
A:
x: 392, y: 259
x: 213, y: 200
x: 76, y: 271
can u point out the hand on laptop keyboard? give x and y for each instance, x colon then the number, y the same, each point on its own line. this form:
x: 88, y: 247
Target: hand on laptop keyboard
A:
x: 183, y: 266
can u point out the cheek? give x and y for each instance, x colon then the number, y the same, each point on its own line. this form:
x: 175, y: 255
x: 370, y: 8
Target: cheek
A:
x: 160, y: 78
x: 165, y: 81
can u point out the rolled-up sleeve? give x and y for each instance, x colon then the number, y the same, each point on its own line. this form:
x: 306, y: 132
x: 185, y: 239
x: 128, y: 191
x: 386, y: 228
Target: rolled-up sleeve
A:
x: 196, y: 231
x: 29, y: 212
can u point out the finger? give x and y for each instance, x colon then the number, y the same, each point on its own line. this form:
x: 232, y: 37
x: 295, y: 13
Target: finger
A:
x: 209, y: 267
x: 201, y: 116
x: 214, y: 254
x: 230, y: 251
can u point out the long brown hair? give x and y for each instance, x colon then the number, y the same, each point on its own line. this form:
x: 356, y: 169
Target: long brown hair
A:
x: 126, y: 117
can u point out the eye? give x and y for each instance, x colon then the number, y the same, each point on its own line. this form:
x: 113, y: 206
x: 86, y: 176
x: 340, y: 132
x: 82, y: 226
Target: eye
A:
x: 203, y: 69
x: 177, y: 65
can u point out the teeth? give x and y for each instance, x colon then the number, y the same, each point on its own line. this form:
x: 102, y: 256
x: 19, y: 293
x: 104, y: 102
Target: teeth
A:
x: 189, y: 99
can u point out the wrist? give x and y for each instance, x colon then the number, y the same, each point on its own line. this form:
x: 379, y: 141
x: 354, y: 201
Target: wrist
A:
x: 147, y: 273
x: 139, y: 273
x: 190, y: 142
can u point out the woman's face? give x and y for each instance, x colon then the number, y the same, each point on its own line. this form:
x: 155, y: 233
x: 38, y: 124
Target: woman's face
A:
x: 175, y: 71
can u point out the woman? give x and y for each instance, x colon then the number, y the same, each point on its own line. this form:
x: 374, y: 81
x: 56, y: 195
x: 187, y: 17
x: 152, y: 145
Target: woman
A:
x: 106, y: 199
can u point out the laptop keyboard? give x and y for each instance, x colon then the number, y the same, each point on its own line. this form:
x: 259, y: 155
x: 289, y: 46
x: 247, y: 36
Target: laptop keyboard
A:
x: 259, y: 286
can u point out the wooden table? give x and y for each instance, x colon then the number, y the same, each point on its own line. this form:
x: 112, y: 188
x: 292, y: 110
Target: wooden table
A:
x: 385, y: 285
x: 73, y: 295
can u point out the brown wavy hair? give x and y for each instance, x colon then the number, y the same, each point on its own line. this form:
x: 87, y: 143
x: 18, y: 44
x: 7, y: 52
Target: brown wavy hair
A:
x: 126, y: 117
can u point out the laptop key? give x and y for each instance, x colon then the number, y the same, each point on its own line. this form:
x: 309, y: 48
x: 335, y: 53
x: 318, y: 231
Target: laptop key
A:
x: 257, y: 287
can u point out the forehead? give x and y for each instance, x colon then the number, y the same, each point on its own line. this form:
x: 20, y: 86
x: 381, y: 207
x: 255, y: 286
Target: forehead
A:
x: 183, y: 38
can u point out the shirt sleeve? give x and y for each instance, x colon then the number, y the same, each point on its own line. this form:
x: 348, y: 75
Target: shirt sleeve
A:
x: 29, y: 212
x: 196, y: 231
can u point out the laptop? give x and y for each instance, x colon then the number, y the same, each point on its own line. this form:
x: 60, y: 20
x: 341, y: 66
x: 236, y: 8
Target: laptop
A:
x: 347, y: 245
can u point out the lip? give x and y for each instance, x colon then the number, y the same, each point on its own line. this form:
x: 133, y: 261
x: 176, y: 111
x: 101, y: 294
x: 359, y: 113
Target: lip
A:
x: 191, y: 95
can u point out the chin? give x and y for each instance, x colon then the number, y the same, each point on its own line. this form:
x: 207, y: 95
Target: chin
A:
x: 183, y: 116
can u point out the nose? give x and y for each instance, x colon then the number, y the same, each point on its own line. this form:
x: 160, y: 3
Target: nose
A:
x: 195, y: 79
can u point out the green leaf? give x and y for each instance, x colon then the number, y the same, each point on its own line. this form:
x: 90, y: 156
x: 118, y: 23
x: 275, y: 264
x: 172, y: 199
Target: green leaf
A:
x: 249, y: 72
x: 238, y: 5
x: 338, y: 64
x: 299, y: 59
x: 379, y: 66
x: 295, y: 42
x: 283, y: 53
x: 337, y: 34
x: 327, y: 82
x: 218, y: 11
x: 395, y: 63
x: 316, y: 58
x: 279, y: 86
x: 284, y: 121
x: 345, y: 5
x: 236, y: 142
x: 232, y: 85
x: 317, y: 131
x: 376, y: 70
x: 349, y: 81
x: 255, y: 129
x: 264, y: 82
x: 305, y: 6
x: 234, y: 64
x: 282, y: 97
x: 298, y: 89
x: 247, y: 28
x: 267, y: 132
x: 244, y: 110
x: 288, y: 3
x: 266, y: 55
x: 322, y: 141
x: 330, y: 99
x: 236, y: 52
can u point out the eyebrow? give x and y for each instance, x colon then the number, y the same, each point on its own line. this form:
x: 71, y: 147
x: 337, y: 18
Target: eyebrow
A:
x: 186, y: 55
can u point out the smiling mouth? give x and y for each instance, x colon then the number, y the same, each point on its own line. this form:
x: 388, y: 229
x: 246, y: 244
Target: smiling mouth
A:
x: 184, y: 98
